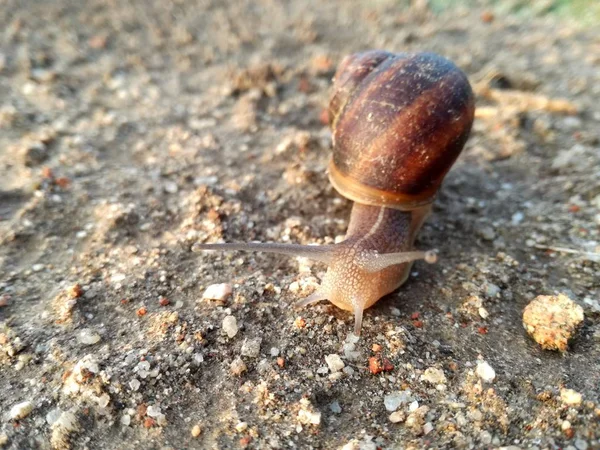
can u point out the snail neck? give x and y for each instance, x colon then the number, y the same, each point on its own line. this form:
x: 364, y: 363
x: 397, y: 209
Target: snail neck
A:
x: 386, y: 230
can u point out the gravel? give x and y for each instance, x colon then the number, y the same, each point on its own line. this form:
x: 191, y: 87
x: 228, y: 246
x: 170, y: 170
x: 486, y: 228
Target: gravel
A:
x: 131, y: 132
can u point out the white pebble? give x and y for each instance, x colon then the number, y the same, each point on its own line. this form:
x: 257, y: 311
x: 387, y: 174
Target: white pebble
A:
x: 393, y: 401
x: 88, y: 337
x: 125, y: 420
x: 217, y: 291
x: 397, y: 417
x: 20, y: 410
x: 53, y: 415
x: 485, y: 372
x: 483, y: 313
x: 251, y: 347
x: 413, y: 406
x: 570, y: 397
x: 153, y: 411
x: 38, y: 267
x: 274, y: 351
x: 230, y: 326
x: 427, y: 428
x: 134, y: 384
x: 334, y: 362
x: 433, y: 375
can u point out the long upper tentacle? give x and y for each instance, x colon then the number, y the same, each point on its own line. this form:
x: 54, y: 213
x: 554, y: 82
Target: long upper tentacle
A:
x: 378, y: 261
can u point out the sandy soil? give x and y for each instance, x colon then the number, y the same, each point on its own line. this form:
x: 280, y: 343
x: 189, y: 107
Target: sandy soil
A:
x: 131, y: 130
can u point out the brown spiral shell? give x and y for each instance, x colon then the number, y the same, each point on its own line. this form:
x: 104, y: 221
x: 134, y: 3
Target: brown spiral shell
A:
x: 399, y: 122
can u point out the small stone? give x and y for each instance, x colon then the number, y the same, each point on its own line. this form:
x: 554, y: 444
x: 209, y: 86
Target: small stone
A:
x: 565, y: 425
x: 153, y: 411
x: 485, y: 437
x: 552, y: 320
x: 171, y: 187
x: 53, y: 415
x: 274, y: 351
x: 230, y: 326
x: 241, y: 427
x: 134, y: 384
x: 580, y: 444
x: 434, y: 375
x: 397, y: 417
x: 487, y: 233
x: 237, y: 367
x: 196, y: 431
x: 393, y: 401
x: 20, y: 410
x: 485, y: 372
x: 88, y: 337
x: 427, y: 428
x: 570, y: 397
x: 483, y: 313
x: 217, y: 291
x: 38, y: 267
x: 335, y: 407
x: 251, y: 347
x: 125, y: 420
x: 3, y: 439
x: 413, y: 406
x: 334, y: 362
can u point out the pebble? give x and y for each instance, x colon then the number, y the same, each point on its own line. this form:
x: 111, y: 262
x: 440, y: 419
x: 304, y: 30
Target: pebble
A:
x: 580, y: 444
x: 397, y: 417
x: 570, y: 397
x: 153, y: 411
x: 134, y: 384
x: 334, y: 362
x: 125, y: 420
x: 196, y: 431
x: 88, y: 337
x: 53, y: 415
x: 237, y: 367
x: 274, y: 351
x: 483, y: 313
x: 20, y: 410
x: 434, y: 375
x: 485, y: 372
x: 491, y: 290
x: 241, y: 427
x: 251, y: 347
x: 487, y: 233
x: 427, y: 428
x: 217, y: 291
x: 485, y: 437
x: 335, y: 407
x: 393, y: 401
x: 552, y: 320
x: 38, y: 267
x: 230, y: 326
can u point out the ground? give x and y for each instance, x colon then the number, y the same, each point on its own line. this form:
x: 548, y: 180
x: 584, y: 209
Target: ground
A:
x: 131, y: 130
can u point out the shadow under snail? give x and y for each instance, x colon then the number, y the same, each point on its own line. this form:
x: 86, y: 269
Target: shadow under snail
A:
x: 399, y: 121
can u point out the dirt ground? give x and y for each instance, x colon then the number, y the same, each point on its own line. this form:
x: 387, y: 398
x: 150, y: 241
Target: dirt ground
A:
x: 131, y: 130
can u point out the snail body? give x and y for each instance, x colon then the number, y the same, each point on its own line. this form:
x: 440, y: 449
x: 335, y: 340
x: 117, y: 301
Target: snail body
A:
x: 399, y: 121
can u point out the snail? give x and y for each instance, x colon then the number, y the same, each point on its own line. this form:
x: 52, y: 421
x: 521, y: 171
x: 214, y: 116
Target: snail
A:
x: 398, y: 121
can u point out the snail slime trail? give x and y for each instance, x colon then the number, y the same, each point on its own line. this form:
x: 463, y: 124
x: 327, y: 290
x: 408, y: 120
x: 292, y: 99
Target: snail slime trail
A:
x: 399, y: 121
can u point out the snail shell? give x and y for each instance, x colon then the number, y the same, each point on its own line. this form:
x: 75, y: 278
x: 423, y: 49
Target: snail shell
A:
x: 399, y: 122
